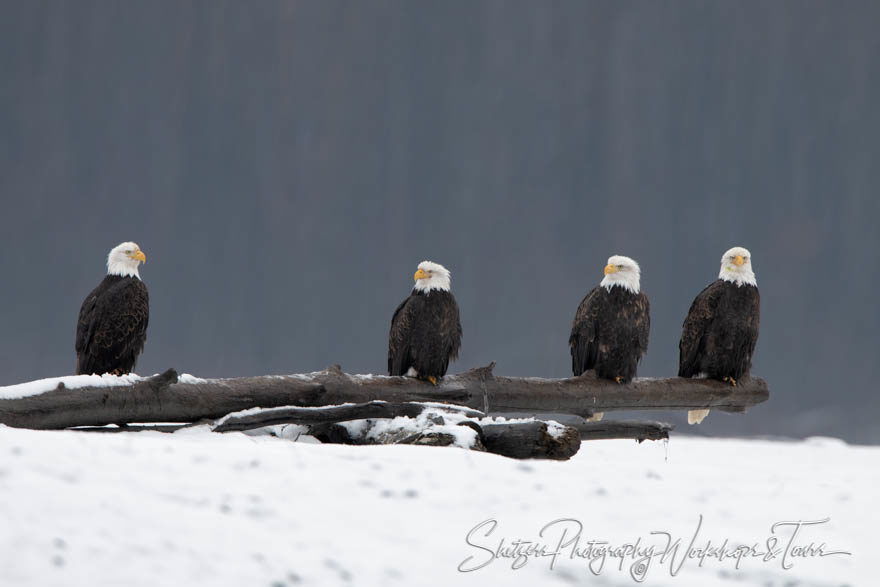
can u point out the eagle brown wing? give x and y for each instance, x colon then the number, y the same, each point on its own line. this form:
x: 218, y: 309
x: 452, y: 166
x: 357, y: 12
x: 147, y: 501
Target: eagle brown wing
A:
x: 644, y: 322
x: 695, y: 328
x: 402, y: 322
x: 450, y: 328
x: 583, y: 340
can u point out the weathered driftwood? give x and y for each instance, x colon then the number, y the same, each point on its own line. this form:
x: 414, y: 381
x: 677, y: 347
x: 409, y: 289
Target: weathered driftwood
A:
x: 155, y: 399
x: 163, y: 399
x: 609, y: 429
x: 605, y: 430
x: 530, y: 440
x: 518, y: 440
x: 514, y: 439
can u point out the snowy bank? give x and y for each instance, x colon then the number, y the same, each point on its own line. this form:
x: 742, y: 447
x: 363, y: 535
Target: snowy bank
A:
x: 197, y: 508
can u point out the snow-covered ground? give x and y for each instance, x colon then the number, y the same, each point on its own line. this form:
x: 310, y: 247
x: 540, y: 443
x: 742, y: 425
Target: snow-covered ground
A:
x: 196, y: 508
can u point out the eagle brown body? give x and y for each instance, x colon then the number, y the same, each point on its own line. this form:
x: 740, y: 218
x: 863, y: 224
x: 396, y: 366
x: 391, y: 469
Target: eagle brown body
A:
x: 425, y: 334
x: 112, y: 326
x: 610, y: 333
x: 720, y: 332
x: 425, y: 329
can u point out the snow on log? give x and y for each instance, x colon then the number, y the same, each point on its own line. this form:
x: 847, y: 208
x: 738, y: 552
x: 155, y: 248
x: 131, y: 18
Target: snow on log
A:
x: 433, y: 426
x: 161, y: 398
x: 166, y: 398
x: 258, y: 418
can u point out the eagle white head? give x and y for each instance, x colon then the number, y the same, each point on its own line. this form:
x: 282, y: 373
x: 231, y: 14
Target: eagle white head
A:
x: 622, y: 271
x: 736, y: 267
x: 124, y: 259
x: 431, y: 276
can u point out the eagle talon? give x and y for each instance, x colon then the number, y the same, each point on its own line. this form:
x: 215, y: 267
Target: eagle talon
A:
x: 432, y: 379
x: 618, y: 379
x: 730, y: 380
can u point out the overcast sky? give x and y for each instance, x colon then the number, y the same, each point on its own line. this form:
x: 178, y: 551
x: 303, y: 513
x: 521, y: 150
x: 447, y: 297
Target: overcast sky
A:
x: 286, y: 165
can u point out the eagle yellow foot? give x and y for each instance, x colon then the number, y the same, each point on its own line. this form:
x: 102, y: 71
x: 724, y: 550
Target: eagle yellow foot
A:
x: 619, y: 379
x: 432, y: 379
x: 730, y: 380
x: 117, y: 372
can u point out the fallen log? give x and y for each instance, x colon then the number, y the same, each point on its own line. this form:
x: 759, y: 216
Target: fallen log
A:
x: 154, y: 399
x: 611, y: 429
x: 531, y: 440
x: 426, y: 424
x: 324, y: 427
x: 165, y: 399
x: 519, y: 439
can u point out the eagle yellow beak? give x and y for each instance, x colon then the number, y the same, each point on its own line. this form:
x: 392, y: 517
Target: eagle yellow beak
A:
x: 420, y: 274
x: 610, y: 269
x: 139, y: 256
x: 738, y: 261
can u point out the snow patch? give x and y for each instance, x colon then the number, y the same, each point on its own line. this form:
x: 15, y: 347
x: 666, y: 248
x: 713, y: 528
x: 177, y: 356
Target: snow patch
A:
x: 187, y: 378
x: 355, y: 427
x: 366, y: 377
x: 555, y: 429
x: 40, y: 386
x: 424, y: 423
x: 294, y: 432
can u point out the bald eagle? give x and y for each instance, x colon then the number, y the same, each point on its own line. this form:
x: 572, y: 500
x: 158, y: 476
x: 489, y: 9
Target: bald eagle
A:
x: 425, y: 330
x: 719, y: 334
x: 112, y: 325
x: 611, y: 325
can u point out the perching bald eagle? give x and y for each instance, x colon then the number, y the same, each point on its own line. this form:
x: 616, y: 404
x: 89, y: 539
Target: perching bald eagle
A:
x: 112, y: 326
x: 425, y: 330
x: 719, y: 334
x: 611, y: 326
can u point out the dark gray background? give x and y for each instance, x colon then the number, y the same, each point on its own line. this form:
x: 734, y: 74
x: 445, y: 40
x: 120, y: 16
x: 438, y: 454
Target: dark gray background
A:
x: 285, y: 166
